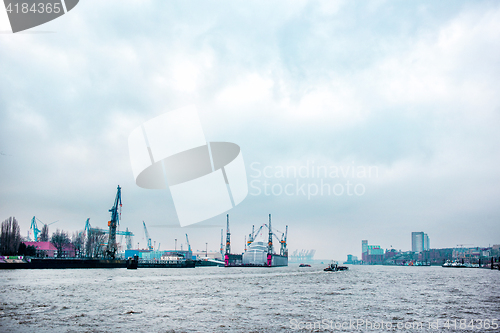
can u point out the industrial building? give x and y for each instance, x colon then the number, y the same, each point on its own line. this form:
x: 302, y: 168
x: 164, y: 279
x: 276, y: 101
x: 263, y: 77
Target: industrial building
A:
x: 371, y: 254
x: 352, y: 260
x: 48, y: 250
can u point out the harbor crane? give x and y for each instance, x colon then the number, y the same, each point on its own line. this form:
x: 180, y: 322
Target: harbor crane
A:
x: 222, y: 243
x: 148, y: 238
x: 251, y: 237
x: 270, y: 242
x: 128, y: 234
x: 34, y: 227
x: 189, y: 245
x: 228, y: 238
x: 113, y: 224
x: 282, y: 240
x: 284, y: 235
x: 283, y: 249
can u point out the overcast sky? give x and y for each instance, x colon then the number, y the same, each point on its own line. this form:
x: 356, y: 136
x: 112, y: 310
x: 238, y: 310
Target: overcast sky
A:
x: 406, y: 89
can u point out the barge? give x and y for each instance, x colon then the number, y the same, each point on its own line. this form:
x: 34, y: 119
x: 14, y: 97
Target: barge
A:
x: 62, y: 263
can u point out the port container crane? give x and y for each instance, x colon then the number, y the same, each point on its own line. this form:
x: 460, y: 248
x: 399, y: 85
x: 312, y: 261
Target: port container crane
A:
x: 148, y: 238
x: 113, y: 224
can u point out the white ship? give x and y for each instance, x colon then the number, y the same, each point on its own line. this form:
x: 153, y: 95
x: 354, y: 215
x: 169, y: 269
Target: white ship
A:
x: 256, y: 254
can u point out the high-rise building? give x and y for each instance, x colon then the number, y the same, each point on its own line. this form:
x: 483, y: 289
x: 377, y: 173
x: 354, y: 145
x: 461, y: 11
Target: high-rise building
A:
x: 364, y: 249
x: 419, y: 241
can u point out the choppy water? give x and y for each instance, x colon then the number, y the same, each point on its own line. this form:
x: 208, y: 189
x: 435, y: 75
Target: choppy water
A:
x: 213, y: 299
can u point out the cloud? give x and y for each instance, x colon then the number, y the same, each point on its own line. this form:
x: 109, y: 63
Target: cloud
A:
x: 407, y: 87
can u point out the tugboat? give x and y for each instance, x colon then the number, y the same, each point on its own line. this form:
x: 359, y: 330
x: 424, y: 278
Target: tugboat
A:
x: 334, y: 267
x: 132, y: 263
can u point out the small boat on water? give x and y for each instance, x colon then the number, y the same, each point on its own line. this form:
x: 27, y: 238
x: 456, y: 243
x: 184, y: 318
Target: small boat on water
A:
x: 456, y: 264
x: 334, y: 267
x: 304, y: 265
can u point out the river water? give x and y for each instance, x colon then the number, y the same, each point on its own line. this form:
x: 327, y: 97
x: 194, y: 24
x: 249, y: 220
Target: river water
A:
x: 217, y: 299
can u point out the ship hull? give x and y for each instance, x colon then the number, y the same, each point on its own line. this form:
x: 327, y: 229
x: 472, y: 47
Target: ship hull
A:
x: 54, y: 263
x: 237, y: 260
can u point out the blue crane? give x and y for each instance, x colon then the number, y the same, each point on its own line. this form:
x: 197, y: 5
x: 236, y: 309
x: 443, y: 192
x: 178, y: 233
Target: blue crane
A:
x: 148, y: 238
x: 113, y: 224
x: 34, y: 227
x: 189, y: 245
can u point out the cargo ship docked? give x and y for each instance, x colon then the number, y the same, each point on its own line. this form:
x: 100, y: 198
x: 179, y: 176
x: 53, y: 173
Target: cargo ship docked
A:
x: 259, y: 252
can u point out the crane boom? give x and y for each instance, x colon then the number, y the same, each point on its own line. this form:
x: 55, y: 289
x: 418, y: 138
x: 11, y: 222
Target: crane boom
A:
x: 148, y: 238
x: 87, y: 227
x: 187, y: 241
x: 118, y: 233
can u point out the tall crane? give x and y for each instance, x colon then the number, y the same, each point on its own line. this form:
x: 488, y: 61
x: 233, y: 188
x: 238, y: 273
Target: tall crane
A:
x: 34, y: 227
x: 228, y: 237
x: 251, y: 237
x: 87, y: 227
x: 113, y: 224
x: 189, y: 245
x: 283, y: 249
x: 148, y: 238
x: 270, y: 238
x: 222, y: 243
